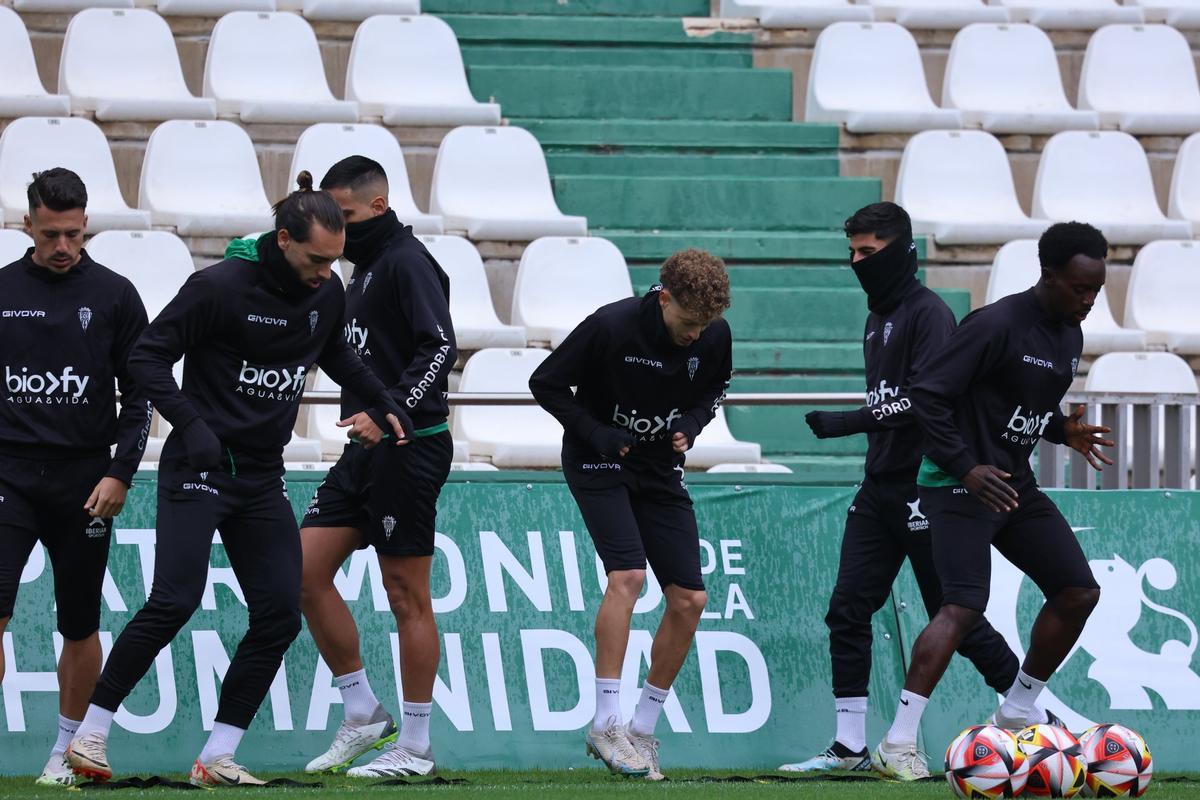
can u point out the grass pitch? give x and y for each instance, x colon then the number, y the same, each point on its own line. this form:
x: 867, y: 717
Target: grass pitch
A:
x: 582, y: 783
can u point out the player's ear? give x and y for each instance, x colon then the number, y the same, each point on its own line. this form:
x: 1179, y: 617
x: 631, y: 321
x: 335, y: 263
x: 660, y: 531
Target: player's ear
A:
x: 283, y: 238
x: 379, y: 205
x: 28, y: 226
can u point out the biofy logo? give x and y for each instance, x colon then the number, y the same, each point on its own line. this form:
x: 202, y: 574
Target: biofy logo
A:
x: 45, y: 387
x: 885, y: 401
x: 1026, y: 427
x: 648, y: 428
x: 271, y: 384
x: 356, y: 335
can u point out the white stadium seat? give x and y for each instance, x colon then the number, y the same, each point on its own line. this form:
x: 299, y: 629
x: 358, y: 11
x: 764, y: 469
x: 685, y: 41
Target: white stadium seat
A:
x: 1016, y: 268
x: 593, y: 268
x: 1183, y: 14
x: 1142, y: 79
x: 21, y: 91
x: 1184, y: 199
x: 43, y: 6
x: 356, y: 10
x: 716, y: 445
x: 34, y: 144
x: 1005, y: 79
x: 211, y: 8
x: 510, y: 436
x: 156, y: 262
x: 764, y: 468
x: 409, y: 71
x: 493, y: 183
x: 1075, y: 15
x: 869, y: 77
x: 1134, y: 373
x: 1075, y: 163
x: 326, y: 143
x: 937, y: 14
x: 302, y: 449
x: 1161, y: 298
x: 476, y: 325
x: 958, y: 187
x: 122, y: 64
x: 473, y: 466
x: 797, y: 13
x: 202, y: 179
x: 13, y: 245
x: 266, y: 67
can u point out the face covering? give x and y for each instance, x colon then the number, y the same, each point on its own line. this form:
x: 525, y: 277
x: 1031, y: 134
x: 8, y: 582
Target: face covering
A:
x: 886, y: 276
x: 365, y: 239
x: 282, y: 273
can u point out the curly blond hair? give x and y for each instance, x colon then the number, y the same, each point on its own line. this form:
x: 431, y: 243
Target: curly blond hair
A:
x: 698, y: 280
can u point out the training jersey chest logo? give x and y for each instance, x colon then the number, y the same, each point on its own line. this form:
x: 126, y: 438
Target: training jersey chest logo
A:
x: 85, y: 317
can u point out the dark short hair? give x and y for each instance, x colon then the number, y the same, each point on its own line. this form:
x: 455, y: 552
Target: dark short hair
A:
x: 58, y: 189
x: 1062, y: 241
x: 885, y: 220
x: 354, y: 173
x: 297, y: 212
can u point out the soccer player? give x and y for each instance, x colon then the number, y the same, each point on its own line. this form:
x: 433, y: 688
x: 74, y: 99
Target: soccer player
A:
x: 983, y: 401
x: 67, y: 325
x: 398, y: 319
x: 250, y: 328
x: 906, y: 325
x: 650, y: 373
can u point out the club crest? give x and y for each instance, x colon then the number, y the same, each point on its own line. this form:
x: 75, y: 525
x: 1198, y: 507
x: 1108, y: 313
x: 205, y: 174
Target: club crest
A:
x: 85, y: 317
x: 313, y: 316
x: 693, y: 364
x: 389, y: 525
x: 367, y: 281
x: 887, y: 333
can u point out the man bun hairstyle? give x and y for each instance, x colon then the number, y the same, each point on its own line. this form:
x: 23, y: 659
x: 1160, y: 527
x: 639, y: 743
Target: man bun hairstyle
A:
x: 698, y: 280
x: 886, y: 221
x: 297, y: 212
x: 1062, y: 241
x: 355, y: 173
x: 58, y: 189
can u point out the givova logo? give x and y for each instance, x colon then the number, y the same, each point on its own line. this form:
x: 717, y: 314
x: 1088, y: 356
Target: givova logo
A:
x: 34, y: 388
x: 1025, y: 428
x: 271, y: 384
x: 648, y: 429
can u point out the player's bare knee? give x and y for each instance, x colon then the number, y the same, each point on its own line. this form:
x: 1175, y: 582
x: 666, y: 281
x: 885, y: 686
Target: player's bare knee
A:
x: 1078, y: 601
x: 960, y: 618
x: 688, y: 603
x: 626, y: 583
x: 406, y: 600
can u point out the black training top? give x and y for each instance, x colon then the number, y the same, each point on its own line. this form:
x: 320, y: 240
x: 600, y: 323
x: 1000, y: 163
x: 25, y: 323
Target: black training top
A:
x: 994, y: 389
x: 630, y: 375
x: 398, y: 321
x: 65, y: 338
x: 250, y: 331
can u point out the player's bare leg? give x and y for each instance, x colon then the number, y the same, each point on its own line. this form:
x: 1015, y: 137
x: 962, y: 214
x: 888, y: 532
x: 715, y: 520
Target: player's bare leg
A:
x: 607, y: 739
x: 3, y: 627
x: 78, y: 669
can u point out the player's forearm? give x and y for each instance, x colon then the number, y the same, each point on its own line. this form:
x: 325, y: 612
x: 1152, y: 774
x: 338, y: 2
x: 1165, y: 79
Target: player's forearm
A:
x: 944, y: 443
x: 150, y: 366
x: 133, y: 428
x: 434, y: 358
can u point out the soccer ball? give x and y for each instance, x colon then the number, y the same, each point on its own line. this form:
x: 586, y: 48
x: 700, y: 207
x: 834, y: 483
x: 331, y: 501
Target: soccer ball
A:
x: 1055, y: 766
x: 1118, y: 761
x: 985, y: 761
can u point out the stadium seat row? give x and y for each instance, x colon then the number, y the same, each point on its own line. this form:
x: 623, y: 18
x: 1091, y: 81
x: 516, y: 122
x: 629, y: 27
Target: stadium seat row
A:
x: 1159, y: 303
x: 202, y: 178
x: 123, y: 65
x: 1004, y: 79
x: 954, y: 14
x: 343, y: 10
x: 958, y: 187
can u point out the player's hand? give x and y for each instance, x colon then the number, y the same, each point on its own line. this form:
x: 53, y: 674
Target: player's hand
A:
x: 679, y: 442
x: 826, y: 424
x: 107, y: 499
x: 990, y: 486
x: 202, y: 446
x: 1086, y: 439
x: 610, y: 442
x: 363, y: 429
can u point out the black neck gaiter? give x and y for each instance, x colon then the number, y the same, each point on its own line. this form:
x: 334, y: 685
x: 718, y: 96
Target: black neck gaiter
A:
x: 365, y: 239
x: 279, y: 272
x: 886, y: 276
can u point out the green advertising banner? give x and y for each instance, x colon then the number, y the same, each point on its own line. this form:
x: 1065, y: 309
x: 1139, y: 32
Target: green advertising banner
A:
x: 516, y: 587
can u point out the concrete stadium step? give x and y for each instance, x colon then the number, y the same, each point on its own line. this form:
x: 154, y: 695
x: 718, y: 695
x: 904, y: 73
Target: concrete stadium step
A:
x: 680, y: 135
x: 637, y: 92
x: 693, y: 165
x: 714, y: 203
x: 606, y: 56
x: 509, y: 29
x: 625, y: 8
x: 733, y: 246
x: 811, y: 314
x: 782, y: 429
x: 791, y: 357
x: 759, y: 276
x: 822, y: 470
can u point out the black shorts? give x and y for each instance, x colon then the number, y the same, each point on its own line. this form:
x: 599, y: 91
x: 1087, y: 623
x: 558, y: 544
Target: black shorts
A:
x: 1035, y: 538
x: 43, y: 501
x: 638, y: 513
x: 388, y: 493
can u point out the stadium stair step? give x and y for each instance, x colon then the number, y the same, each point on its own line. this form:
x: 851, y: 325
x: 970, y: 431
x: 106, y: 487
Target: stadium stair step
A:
x: 624, y: 8
x: 682, y: 135
x: 739, y: 245
x: 637, y: 92
x: 822, y: 470
x: 692, y: 165
x: 789, y: 357
x: 761, y: 276
x: 702, y: 203
x: 510, y: 55
x: 782, y: 429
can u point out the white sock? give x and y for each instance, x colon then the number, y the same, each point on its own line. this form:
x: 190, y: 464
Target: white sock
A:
x: 649, y: 707
x: 414, y: 729
x: 96, y: 720
x: 66, y: 732
x: 223, y: 741
x: 358, y: 701
x: 1018, y: 704
x: 851, y: 723
x: 608, y: 702
x: 908, y: 719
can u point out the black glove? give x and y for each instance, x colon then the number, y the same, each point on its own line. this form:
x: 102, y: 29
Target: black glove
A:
x: 827, y: 424
x: 608, y: 441
x: 202, y: 446
x: 378, y: 415
x: 689, y: 427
